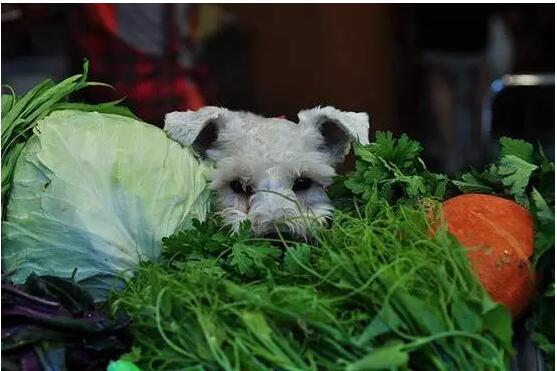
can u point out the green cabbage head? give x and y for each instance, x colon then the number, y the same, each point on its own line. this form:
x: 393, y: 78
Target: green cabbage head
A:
x: 97, y: 192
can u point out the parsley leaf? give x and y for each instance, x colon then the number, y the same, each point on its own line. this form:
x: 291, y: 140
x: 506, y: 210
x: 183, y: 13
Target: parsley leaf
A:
x: 392, y: 169
x: 515, y: 174
x: 253, y: 261
x: 476, y: 182
x: 517, y: 147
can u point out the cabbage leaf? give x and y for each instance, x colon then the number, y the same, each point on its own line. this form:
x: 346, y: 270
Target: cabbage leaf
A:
x: 97, y: 192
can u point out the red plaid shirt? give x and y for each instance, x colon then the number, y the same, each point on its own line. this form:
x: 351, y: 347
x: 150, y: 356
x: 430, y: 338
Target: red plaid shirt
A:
x: 151, y: 86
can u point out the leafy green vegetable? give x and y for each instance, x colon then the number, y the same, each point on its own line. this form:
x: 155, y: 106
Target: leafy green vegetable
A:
x: 393, y: 168
x: 515, y: 174
x: 545, y: 229
x: 21, y: 114
x: 97, y: 192
x: 249, y: 261
x: 297, y: 258
x: 113, y: 108
x: 387, y: 357
x: 376, y: 291
x: 476, y: 182
x: 517, y: 147
x: 517, y: 170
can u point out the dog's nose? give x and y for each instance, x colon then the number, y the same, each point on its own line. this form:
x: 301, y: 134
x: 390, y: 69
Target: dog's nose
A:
x: 268, y: 206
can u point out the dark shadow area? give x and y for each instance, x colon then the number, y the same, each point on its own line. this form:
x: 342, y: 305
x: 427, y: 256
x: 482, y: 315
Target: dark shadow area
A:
x: 424, y: 70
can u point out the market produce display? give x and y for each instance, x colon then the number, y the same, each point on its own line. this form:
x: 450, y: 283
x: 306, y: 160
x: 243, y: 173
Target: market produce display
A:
x: 374, y: 291
x: 394, y: 283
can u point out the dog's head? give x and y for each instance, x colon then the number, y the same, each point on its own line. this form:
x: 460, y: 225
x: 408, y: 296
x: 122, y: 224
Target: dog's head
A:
x: 271, y: 171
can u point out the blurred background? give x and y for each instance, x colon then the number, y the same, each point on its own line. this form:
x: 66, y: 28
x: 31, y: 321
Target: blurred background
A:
x: 455, y: 77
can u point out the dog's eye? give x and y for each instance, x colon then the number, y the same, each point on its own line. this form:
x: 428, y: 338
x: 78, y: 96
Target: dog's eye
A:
x: 238, y: 187
x: 302, y: 184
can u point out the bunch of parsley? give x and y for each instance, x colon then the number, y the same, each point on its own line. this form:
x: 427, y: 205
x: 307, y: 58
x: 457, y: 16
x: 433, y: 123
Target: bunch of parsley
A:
x: 393, y: 169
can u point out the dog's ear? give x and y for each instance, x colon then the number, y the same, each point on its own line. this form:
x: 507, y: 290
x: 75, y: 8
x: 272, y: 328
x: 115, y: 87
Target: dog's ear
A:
x: 198, y: 129
x: 338, y: 129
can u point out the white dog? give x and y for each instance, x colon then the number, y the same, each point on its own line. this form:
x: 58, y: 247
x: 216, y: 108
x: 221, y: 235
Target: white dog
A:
x: 271, y: 171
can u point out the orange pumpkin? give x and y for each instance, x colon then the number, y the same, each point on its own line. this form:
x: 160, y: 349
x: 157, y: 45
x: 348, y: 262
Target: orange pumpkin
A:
x: 499, y: 235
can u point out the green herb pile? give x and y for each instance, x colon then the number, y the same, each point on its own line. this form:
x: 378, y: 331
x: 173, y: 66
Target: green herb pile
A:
x: 375, y: 291
x: 378, y: 292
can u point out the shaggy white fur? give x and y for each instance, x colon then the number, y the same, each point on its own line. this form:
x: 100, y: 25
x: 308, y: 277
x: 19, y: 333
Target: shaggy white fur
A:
x: 271, y: 171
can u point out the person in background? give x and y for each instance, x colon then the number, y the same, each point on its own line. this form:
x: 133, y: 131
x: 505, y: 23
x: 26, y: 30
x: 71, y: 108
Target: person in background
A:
x: 145, y: 51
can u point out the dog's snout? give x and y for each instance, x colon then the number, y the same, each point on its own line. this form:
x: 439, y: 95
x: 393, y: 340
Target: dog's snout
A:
x: 271, y: 210
x: 272, y: 205
x: 270, y: 214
